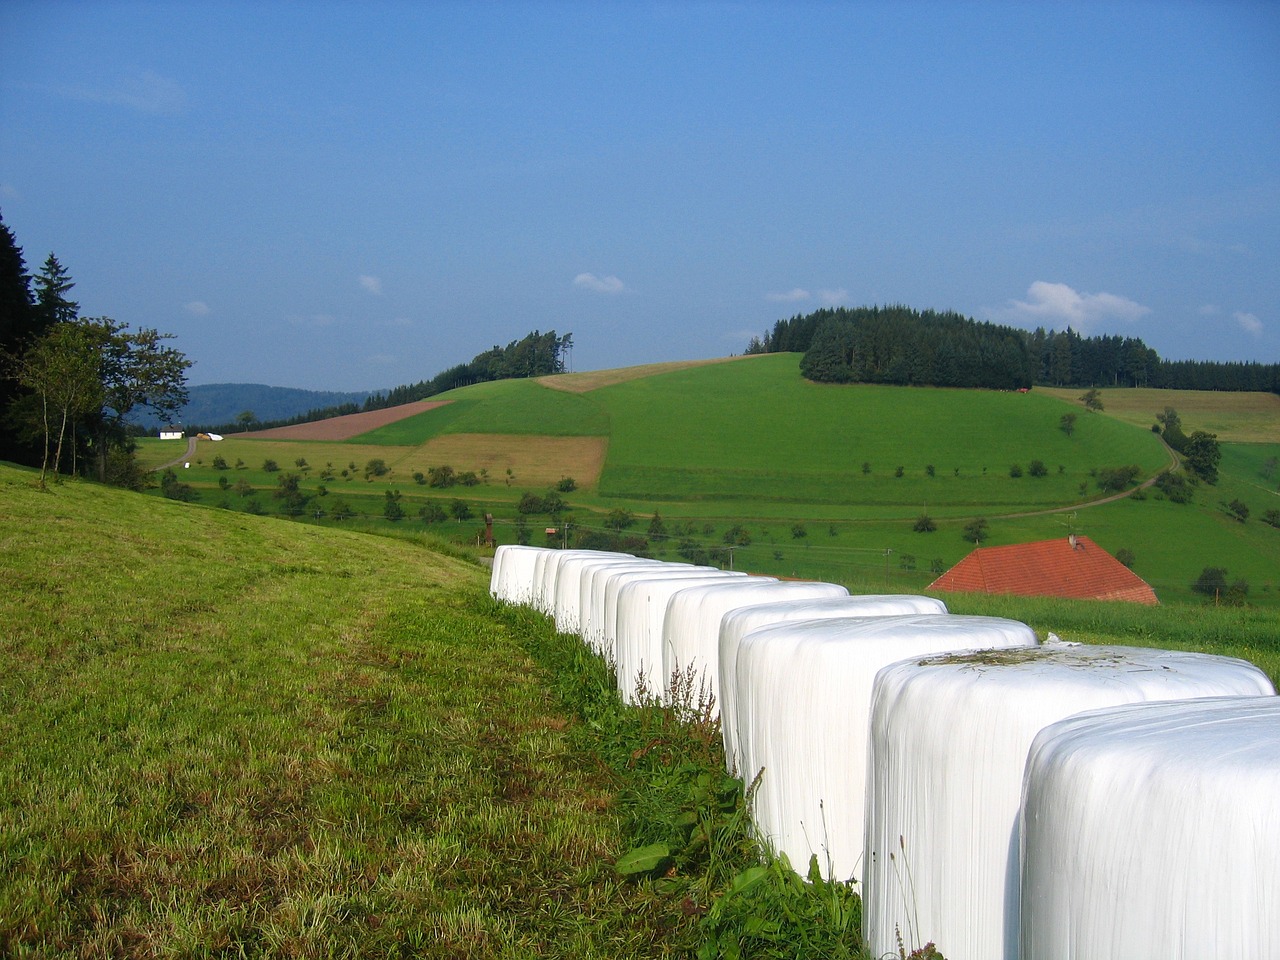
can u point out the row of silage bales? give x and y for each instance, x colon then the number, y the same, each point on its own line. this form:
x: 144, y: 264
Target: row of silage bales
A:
x: 741, y: 621
x: 949, y: 740
x: 642, y: 610
x: 803, y: 701
x: 1149, y: 831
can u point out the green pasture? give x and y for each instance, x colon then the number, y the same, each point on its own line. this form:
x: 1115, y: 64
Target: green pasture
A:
x: 759, y: 431
x: 502, y: 407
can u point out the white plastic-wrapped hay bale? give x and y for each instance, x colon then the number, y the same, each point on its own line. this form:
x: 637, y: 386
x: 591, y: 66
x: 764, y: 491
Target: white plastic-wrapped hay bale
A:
x: 567, y: 574
x: 804, y: 702
x: 546, y: 573
x: 1150, y: 831
x: 613, y: 588
x: 691, y: 630
x: 594, y: 579
x: 949, y: 741
x: 743, y: 620
x: 642, y: 609
x: 511, y: 580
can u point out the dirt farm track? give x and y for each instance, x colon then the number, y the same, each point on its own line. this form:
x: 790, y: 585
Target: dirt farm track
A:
x: 343, y: 428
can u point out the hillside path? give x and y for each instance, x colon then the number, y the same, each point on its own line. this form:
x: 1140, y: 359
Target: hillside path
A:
x: 191, y: 452
x: 1174, y: 461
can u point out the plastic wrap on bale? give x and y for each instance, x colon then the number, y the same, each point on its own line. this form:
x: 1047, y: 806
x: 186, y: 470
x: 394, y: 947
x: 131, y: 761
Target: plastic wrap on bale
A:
x: 642, y: 609
x: 743, y: 620
x: 804, y: 702
x: 1150, y: 832
x: 511, y: 580
x: 949, y: 741
x: 594, y: 580
x: 547, y: 575
x: 691, y: 632
x: 568, y: 587
x: 613, y: 588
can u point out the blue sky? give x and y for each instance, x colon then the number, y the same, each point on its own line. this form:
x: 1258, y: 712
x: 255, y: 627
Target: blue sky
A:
x: 357, y: 195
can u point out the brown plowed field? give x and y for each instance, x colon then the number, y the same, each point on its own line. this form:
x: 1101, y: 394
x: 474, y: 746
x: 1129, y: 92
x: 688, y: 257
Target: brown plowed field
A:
x: 344, y: 428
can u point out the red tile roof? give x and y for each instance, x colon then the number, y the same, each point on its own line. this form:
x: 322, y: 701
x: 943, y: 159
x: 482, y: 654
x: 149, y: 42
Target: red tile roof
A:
x: 1073, y: 567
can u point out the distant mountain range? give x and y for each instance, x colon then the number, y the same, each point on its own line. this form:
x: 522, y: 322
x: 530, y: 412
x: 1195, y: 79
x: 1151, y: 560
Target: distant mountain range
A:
x: 215, y: 404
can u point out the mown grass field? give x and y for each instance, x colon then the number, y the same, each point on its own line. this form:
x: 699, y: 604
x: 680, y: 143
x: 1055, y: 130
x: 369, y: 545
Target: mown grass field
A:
x: 234, y: 736
x: 1234, y: 417
x: 810, y: 471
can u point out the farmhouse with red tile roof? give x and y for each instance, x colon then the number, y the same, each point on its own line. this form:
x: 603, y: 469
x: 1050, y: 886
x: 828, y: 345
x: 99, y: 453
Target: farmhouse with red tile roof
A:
x: 1074, y: 567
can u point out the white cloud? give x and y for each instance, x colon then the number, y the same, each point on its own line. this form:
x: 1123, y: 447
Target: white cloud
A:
x: 1058, y: 305
x: 372, y: 284
x: 794, y: 295
x: 1248, y: 322
x: 146, y: 92
x: 589, y: 281
x: 833, y: 297
x: 1210, y: 310
x: 9, y: 192
x: 197, y: 308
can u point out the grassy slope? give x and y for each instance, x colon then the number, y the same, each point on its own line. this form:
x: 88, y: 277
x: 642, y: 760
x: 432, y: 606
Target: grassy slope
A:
x: 759, y: 431
x: 227, y: 733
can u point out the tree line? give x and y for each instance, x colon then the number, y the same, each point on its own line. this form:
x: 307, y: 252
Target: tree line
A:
x: 899, y: 345
x: 68, y: 383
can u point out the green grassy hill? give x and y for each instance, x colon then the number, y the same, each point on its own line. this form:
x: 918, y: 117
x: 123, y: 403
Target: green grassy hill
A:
x: 823, y: 481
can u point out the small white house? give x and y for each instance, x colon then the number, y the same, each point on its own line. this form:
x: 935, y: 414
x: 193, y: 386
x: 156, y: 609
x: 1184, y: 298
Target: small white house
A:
x: 170, y: 433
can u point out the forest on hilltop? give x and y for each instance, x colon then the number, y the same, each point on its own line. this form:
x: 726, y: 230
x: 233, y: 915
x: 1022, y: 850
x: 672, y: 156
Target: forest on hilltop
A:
x: 900, y: 345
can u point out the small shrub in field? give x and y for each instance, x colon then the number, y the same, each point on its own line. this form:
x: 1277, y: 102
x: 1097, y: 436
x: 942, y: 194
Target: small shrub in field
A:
x: 866, y: 468
x: 1115, y: 479
x: 1015, y: 470
x: 937, y: 565
x: 377, y: 467
x: 620, y: 519
x: 1125, y: 556
x: 1272, y: 517
x: 975, y: 531
x: 929, y: 470
x: 223, y: 483
x: 798, y: 531
x: 460, y: 510
x: 566, y: 485
x: 1036, y: 468
x: 898, y: 471
x: 1238, y: 509
x: 432, y: 512
x: 924, y: 524
x: 219, y: 462
x: 419, y: 478
x: 907, y: 561
x: 340, y: 510
x: 469, y: 478
x: 270, y: 466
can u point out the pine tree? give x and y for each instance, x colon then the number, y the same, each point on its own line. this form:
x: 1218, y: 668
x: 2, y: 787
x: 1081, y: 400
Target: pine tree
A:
x: 52, y: 285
